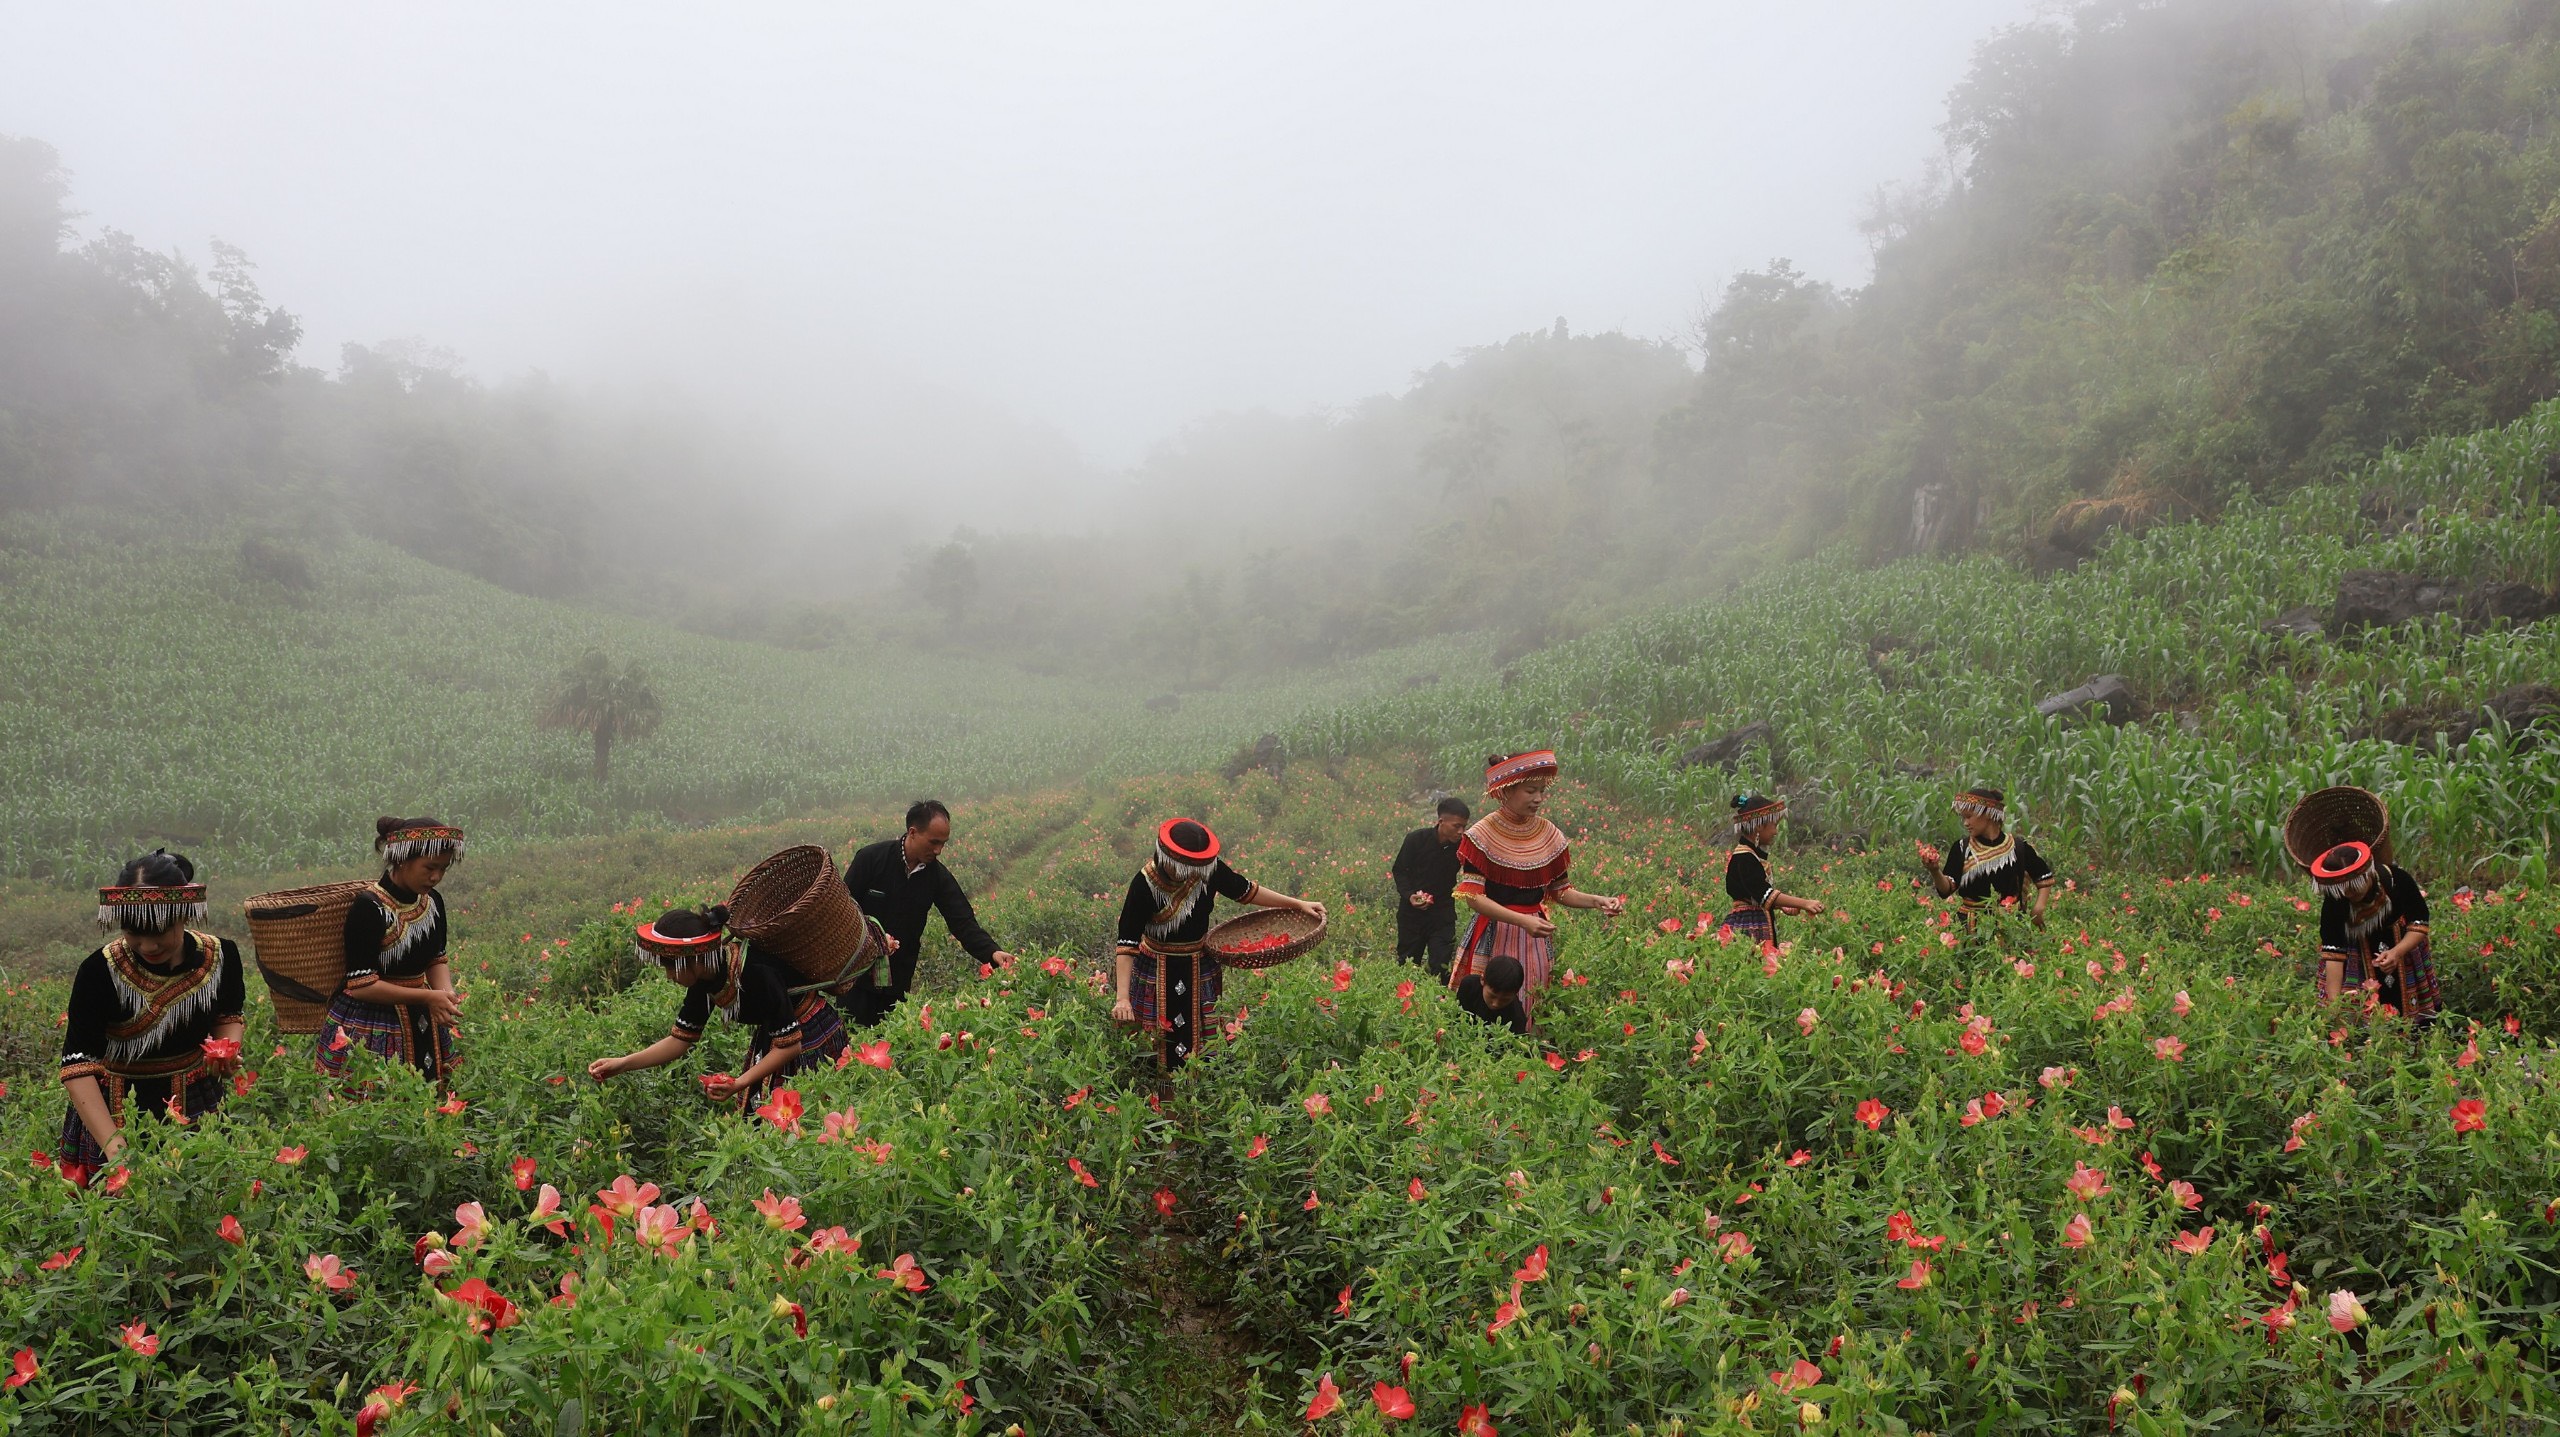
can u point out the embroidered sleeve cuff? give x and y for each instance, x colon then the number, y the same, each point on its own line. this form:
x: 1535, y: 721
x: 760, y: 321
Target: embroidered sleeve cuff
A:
x: 685, y: 1033
x: 1470, y: 887
x: 355, y: 973
x: 2045, y: 882
x: 787, y: 1032
x: 1252, y: 891
x: 81, y: 1066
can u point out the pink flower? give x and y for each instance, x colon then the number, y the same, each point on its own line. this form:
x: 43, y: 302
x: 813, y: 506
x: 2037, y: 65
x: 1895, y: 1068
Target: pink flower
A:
x: 471, y: 1225
x: 1317, y: 1105
x: 902, y: 1272
x: 2118, y: 1121
x: 2088, y: 1184
x: 1807, y: 1020
x: 1918, y: 1276
x: 2075, y: 1233
x: 841, y: 1126
x: 2182, y: 1005
x: 292, y: 1157
x: 834, y: 1240
x: 2185, y: 1194
x: 1735, y: 1245
x: 1679, y: 1297
x: 782, y: 1214
x: 327, y: 1272
x: 625, y: 1198
x: 661, y: 1228
x: 2193, y: 1244
x: 875, y: 1055
x: 545, y: 1207
x: 2344, y: 1311
x: 2172, y: 1049
x: 137, y: 1335
x: 2053, y: 1078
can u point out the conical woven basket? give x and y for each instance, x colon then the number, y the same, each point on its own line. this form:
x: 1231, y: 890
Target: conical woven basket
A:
x: 2331, y: 816
x: 299, y: 939
x: 794, y: 906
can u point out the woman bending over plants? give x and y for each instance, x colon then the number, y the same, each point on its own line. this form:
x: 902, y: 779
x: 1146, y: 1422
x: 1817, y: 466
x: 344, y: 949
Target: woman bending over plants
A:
x: 1165, y: 979
x: 792, y: 1030
x: 1757, y: 901
x: 1989, y: 864
x: 1511, y: 864
x: 2373, y: 928
x: 155, y: 1016
x: 397, y: 1000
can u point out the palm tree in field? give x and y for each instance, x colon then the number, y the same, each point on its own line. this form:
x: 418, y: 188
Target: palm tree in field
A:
x: 605, y: 705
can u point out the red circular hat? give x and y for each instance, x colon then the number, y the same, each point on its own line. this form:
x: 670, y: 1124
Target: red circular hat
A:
x: 2344, y: 861
x: 1188, y: 853
x: 650, y: 939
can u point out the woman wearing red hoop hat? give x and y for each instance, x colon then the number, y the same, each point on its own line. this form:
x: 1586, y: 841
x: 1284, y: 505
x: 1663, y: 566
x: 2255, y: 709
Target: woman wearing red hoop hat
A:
x: 1511, y: 864
x: 2373, y: 928
x: 717, y: 972
x: 1165, y: 980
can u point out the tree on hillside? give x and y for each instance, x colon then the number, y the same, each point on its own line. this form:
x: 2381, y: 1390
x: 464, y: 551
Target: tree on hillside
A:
x: 606, y: 705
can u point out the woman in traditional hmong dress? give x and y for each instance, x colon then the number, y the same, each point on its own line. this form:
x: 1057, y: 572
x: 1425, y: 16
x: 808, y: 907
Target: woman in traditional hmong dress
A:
x: 1165, y: 979
x: 2373, y: 928
x: 1990, y: 864
x: 154, y: 1021
x: 742, y: 983
x: 1756, y: 900
x: 1512, y: 863
x: 397, y: 1001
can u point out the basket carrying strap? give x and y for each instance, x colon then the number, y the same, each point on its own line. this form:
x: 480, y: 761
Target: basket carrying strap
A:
x: 846, y: 974
x: 287, y: 987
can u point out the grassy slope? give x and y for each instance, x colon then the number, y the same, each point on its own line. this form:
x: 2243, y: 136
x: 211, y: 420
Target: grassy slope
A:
x: 149, y: 694
x: 1939, y: 664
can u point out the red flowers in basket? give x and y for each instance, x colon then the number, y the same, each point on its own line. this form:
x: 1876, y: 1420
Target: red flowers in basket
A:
x: 1260, y: 943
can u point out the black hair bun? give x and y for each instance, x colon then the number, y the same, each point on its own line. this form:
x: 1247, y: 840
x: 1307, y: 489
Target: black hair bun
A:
x: 383, y: 826
x: 1496, y: 758
x: 717, y: 915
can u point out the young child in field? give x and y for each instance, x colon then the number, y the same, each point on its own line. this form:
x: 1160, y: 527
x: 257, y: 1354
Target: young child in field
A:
x: 397, y: 1000
x: 1756, y: 900
x: 155, y: 1016
x: 1510, y: 865
x: 1989, y: 864
x: 1493, y: 995
x: 695, y: 951
x: 1165, y: 979
x: 2373, y: 927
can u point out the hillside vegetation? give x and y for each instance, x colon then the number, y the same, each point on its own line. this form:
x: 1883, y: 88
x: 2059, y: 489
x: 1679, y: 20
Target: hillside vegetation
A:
x: 1884, y: 689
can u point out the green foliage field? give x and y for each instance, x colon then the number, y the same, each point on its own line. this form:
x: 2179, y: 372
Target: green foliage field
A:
x: 154, y: 692
x: 1868, y: 676
x: 1442, y: 1158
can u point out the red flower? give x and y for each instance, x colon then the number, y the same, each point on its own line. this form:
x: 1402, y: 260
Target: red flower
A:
x: 1475, y: 1421
x: 1798, y: 1377
x: 452, y: 1105
x: 137, y: 1335
x: 1735, y: 1245
x: 292, y: 1157
x: 1082, y: 1176
x: 1919, y: 1275
x: 1414, y: 1191
x: 2193, y: 1244
x: 61, y: 1260
x: 2086, y: 1183
x: 23, y: 1370
x: 1342, y: 1303
x: 488, y: 1310
x: 222, y: 1050
x: 782, y: 1214
x: 1068, y: 1103
x: 2469, y: 1116
x: 229, y: 1230
x: 783, y: 1109
x: 1313, y: 1202
x: 1535, y: 1269
x: 1799, y: 1158
x: 1872, y: 1113
x: 1164, y: 1202
x: 875, y: 1055
x: 1666, y: 1159
x: 1900, y: 1228
x: 1556, y: 1061
x: 1505, y: 1315
x: 1328, y: 1398
x: 1256, y: 1148
x: 117, y: 1179
x: 522, y: 1168
x: 903, y: 1272
x: 1394, y: 1403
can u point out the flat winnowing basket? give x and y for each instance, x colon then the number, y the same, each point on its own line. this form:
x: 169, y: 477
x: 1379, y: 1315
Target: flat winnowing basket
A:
x: 2331, y: 816
x: 299, y: 938
x: 794, y: 906
x: 1241, y: 941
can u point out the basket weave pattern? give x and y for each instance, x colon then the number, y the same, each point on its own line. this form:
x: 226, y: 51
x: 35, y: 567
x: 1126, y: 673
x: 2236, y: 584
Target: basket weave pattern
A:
x: 795, y: 906
x: 1304, y: 933
x: 299, y: 937
x: 2331, y: 816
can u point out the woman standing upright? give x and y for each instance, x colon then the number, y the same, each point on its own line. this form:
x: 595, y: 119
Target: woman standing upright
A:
x: 155, y: 1016
x: 1989, y: 864
x: 1165, y: 979
x: 397, y: 1001
x: 1756, y: 900
x: 1512, y: 862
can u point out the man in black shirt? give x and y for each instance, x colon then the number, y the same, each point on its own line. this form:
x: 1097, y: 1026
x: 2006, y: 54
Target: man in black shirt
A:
x: 1425, y: 870
x: 1493, y: 996
x: 900, y: 881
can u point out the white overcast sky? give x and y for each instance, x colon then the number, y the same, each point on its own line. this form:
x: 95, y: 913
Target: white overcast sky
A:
x: 1098, y: 219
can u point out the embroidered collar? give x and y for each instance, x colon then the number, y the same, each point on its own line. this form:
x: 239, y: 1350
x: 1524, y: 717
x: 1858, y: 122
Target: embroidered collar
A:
x: 406, y: 923
x: 1177, y: 895
x: 1987, y: 859
x: 1526, y: 847
x: 159, y: 1000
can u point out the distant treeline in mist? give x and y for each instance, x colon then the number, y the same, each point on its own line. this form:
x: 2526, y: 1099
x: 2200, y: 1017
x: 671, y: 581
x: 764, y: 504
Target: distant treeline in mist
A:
x: 2177, y: 251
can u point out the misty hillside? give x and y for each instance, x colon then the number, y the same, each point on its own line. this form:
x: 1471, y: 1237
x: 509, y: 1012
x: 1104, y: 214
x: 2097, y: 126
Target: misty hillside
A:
x: 2181, y: 251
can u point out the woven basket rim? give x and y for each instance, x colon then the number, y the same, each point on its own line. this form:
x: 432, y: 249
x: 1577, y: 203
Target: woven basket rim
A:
x: 2329, y: 805
x: 1306, y: 934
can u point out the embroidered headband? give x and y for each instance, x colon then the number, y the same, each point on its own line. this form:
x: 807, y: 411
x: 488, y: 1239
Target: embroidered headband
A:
x: 1519, y: 768
x: 402, y: 844
x: 1988, y: 803
x: 1752, y: 807
x: 1186, y: 840
x: 2338, y: 867
x: 151, y: 907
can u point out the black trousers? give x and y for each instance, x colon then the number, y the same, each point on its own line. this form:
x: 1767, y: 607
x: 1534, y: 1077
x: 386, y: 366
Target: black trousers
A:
x: 866, y: 1003
x: 1428, y: 936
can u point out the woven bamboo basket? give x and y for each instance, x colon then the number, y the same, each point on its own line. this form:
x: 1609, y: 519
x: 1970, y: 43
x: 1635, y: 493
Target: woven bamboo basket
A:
x: 2331, y: 816
x: 299, y: 937
x: 794, y: 906
x: 1303, y: 935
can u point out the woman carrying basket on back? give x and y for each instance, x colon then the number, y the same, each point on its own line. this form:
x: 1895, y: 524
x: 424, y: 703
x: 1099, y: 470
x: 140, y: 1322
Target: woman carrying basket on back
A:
x: 1511, y: 864
x: 155, y: 1017
x: 2373, y: 928
x: 792, y: 1030
x: 1165, y: 979
x: 397, y: 1000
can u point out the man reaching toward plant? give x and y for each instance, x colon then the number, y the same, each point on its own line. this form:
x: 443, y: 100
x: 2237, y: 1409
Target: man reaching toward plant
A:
x: 901, y: 882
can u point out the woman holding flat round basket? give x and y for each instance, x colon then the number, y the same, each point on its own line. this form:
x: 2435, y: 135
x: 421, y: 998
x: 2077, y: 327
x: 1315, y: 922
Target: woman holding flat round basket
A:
x: 1166, y: 978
